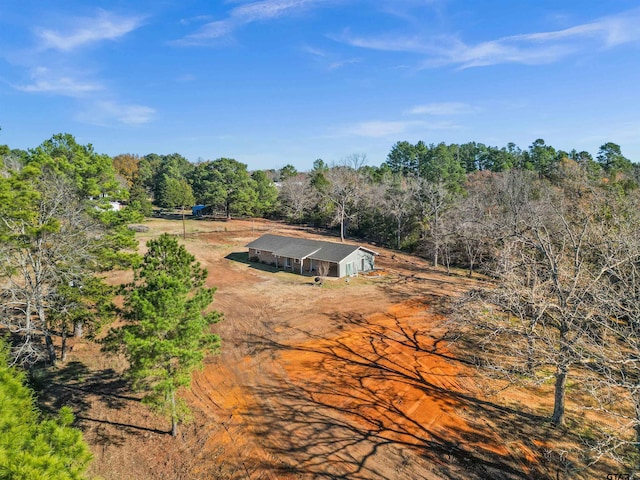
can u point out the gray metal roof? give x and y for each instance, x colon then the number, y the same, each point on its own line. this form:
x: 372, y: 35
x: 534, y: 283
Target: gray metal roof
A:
x: 291, y: 247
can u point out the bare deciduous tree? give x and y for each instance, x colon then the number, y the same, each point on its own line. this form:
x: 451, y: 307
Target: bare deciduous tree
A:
x: 471, y: 220
x: 539, y: 317
x: 344, y: 192
x: 432, y: 200
x: 46, y: 243
x: 323, y: 269
x: 297, y: 196
x: 399, y: 205
x: 614, y: 360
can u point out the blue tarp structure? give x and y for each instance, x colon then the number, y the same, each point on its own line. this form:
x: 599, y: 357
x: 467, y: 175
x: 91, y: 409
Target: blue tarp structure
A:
x: 196, y: 210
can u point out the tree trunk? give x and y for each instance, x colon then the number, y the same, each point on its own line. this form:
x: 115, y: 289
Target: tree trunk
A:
x: 636, y: 402
x: 63, y: 353
x: 342, y: 226
x: 559, y: 395
x: 530, y: 345
x: 51, y: 350
x: 78, y: 329
x: 436, y: 246
x: 184, y: 228
x: 174, y: 416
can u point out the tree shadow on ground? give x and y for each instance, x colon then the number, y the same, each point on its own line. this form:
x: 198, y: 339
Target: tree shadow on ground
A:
x: 400, y: 285
x: 337, y: 422
x: 243, y: 257
x: 85, y: 390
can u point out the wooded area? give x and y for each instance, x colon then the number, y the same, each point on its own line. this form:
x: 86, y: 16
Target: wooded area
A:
x: 554, y: 235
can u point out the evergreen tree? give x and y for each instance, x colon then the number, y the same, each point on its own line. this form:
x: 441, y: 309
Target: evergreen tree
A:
x: 439, y: 165
x: 611, y: 159
x: 160, y: 169
x: 287, y: 171
x: 32, y: 447
x: 225, y: 183
x: 267, y: 193
x: 168, y: 332
x: 178, y: 193
x: 139, y: 198
x: 402, y: 158
x: 91, y: 174
x: 543, y: 158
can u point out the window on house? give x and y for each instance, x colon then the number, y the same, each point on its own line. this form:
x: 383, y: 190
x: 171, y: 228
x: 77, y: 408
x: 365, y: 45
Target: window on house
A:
x: 257, y: 252
x: 297, y: 260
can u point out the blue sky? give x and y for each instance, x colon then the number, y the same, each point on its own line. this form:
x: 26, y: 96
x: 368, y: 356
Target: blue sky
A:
x: 273, y: 82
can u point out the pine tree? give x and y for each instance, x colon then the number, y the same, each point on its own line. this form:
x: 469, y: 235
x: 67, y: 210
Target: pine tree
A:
x: 168, y: 334
x: 31, y: 447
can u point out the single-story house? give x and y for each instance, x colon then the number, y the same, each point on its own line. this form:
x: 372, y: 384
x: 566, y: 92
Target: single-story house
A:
x: 301, y: 255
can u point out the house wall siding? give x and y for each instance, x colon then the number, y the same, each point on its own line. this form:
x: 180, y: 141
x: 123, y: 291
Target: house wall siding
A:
x: 309, y: 265
x: 263, y: 257
x: 356, y: 260
x: 369, y: 261
x: 292, y: 264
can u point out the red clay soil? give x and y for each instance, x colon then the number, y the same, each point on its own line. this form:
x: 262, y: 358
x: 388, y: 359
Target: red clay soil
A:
x: 351, y: 380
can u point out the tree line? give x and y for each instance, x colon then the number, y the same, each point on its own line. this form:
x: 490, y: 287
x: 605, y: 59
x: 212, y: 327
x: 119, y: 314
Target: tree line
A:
x: 402, y: 203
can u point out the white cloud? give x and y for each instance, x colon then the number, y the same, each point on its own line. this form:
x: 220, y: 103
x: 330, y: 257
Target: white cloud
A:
x: 45, y: 81
x: 531, y: 48
x: 198, y: 18
x: 381, y: 129
x: 314, y: 52
x: 98, y: 112
x: 60, y: 86
x: 212, y: 30
x: 105, y: 26
x: 442, y: 109
x: 129, y: 114
x: 388, y: 43
x: 343, y: 63
x: 268, y: 9
x: 328, y: 60
x: 105, y: 112
x: 245, y: 14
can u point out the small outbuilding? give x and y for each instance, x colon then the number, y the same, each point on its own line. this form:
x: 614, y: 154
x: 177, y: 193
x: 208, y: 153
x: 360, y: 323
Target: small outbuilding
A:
x: 301, y: 255
x: 198, y: 210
